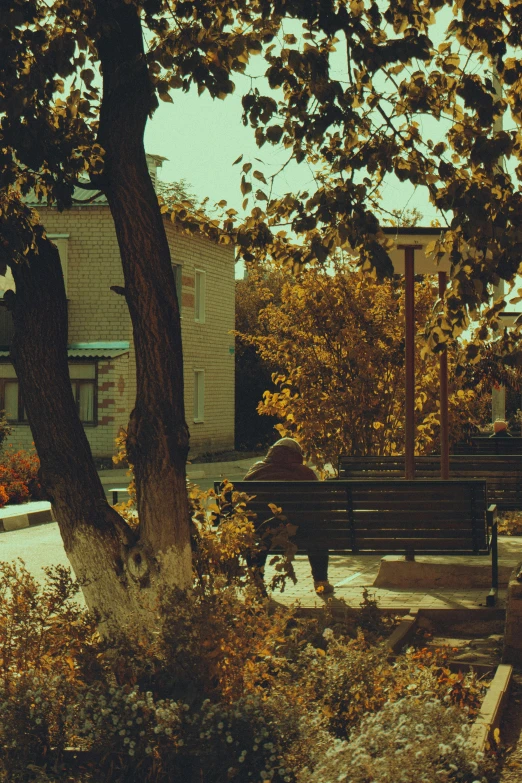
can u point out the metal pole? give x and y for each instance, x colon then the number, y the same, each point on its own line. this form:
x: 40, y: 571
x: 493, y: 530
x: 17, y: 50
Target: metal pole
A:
x: 409, y: 446
x: 443, y: 376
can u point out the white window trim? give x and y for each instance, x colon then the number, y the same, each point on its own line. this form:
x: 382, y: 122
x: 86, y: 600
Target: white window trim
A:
x: 199, y: 419
x: 202, y: 272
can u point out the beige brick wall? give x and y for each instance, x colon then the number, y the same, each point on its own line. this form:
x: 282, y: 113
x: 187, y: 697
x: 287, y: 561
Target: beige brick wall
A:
x: 98, y: 314
x: 208, y: 346
x: 111, y: 405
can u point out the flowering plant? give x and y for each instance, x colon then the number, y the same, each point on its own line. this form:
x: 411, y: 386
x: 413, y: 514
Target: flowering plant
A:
x: 19, y: 476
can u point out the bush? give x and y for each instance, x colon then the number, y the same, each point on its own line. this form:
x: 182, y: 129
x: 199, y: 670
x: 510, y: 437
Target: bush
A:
x: 233, y: 689
x: 19, y: 475
x: 408, y: 741
x: 5, y: 428
x: 510, y: 523
x: 42, y: 634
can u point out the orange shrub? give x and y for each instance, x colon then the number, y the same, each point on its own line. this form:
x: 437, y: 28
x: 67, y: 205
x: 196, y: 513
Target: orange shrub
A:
x: 19, y: 475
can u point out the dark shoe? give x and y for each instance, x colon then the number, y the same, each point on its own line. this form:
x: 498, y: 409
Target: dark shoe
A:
x: 323, y: 587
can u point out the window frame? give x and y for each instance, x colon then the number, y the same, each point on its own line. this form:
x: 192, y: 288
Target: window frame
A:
x: 199, y: 414
x: 200, y: 302
x: 21, y: 417
x: 77, y: 382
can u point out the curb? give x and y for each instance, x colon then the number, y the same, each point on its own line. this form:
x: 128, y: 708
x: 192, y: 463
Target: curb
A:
x: 404, y: 631
x: 21, y: 521
x: 489, y: 717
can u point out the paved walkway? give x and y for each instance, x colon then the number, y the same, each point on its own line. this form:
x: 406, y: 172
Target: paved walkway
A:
x: 352, y: 574
x: 204, y: 474
x: 42, y: 546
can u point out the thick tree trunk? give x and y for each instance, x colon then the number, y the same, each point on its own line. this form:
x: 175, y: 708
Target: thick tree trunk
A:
x: 158, y: 434
x: 97, y: 541
x: 123, y: 573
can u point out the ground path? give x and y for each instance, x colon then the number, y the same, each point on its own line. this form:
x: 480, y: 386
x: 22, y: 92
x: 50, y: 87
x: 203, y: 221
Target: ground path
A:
x: 42, y: 546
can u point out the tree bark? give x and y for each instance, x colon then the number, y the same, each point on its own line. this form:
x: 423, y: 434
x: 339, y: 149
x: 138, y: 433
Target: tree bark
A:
x: 158, y: 439
x: 123, y: 572
x: 97, y: 541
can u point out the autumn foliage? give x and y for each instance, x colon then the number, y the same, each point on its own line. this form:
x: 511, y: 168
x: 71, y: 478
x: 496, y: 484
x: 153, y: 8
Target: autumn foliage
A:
x: 338, y: 341
x: 19, y: 476
x: 230, y: 690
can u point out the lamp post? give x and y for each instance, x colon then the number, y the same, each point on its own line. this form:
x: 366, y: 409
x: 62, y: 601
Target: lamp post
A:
x: 443, y: 396
x: 406, y: 241
x: 409, y: 428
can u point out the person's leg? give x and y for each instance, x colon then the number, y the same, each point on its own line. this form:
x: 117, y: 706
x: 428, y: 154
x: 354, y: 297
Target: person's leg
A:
x: 257, y: 561
x: 319, y: 564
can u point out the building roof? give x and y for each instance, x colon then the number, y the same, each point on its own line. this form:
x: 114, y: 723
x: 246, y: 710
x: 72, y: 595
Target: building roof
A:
x: 80, y: 197
x: 100, y: 350
x: 414, y: 230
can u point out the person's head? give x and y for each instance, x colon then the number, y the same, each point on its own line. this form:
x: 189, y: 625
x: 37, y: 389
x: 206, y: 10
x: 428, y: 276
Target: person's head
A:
x: 287, y: 448
x: 499, y: 425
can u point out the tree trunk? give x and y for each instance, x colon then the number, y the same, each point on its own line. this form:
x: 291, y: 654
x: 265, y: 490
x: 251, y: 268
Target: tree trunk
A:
x: 158, y: 437
x: 97, y: 541
x: 123, y: 572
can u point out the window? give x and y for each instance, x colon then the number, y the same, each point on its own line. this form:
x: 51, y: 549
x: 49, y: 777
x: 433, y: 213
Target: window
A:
x: 199, y: 296
x: 178, y: 278
x: 83, y: 382
x: 199, y: 395
x: 10, y: 400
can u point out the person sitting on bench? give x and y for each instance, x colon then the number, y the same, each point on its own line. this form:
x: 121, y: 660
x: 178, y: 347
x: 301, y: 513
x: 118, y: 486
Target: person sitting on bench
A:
x: 284, y: 462
x: 500, y: 429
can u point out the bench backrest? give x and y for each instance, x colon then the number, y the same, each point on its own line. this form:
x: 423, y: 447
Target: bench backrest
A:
x: 378, y: 516
x: 503, y: 473
x: 485, y: 445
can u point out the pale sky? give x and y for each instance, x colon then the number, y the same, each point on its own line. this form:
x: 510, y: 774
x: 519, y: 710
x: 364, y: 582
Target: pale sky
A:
x: 202, y: 137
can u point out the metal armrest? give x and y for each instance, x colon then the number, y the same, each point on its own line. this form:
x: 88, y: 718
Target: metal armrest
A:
x: 491, y: 516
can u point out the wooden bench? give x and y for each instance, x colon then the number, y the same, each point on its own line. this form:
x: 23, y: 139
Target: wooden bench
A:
x: 423, y: 517
x: 485, y: 445
x: 503, y: 473
x: 115, y: 491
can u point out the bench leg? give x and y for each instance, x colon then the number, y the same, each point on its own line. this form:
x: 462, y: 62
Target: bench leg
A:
x: 114, y: 497
x: 492, y: 597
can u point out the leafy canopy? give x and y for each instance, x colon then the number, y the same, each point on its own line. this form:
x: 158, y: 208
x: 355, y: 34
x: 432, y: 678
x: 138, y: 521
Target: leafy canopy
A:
x: 338, y: 343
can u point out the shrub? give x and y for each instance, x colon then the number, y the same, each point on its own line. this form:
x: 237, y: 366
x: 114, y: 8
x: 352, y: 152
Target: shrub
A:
x: 510, y: 523
x: 19, y: 475
x: 42, y: 635
x: 5, y: 428
x: 233, y: 689
x: 408, y: 741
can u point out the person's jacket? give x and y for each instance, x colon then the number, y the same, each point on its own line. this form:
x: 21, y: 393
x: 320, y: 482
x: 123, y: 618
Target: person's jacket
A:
x: 282, y: 463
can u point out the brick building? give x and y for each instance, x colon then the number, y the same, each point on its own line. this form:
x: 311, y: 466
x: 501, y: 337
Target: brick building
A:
x: 101, y: 353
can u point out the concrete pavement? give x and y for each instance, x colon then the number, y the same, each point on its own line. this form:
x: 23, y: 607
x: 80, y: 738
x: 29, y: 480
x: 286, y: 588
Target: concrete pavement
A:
x: 351, y: 575
x: 42, y: 546
x: 204, y: 474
